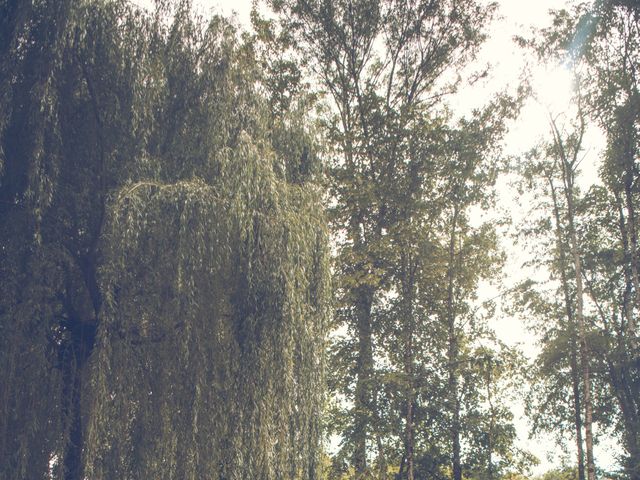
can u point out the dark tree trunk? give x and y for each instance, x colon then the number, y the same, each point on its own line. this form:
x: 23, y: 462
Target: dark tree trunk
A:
x: 74, y: 353
x: 364, y: 366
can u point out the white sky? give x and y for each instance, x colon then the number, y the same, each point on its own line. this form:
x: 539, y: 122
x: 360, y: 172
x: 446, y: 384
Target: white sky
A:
x: 552, y: 86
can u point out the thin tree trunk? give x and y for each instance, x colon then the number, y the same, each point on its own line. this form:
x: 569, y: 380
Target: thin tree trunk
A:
x: 409, y: 439
x: 571, y: 323
x: 455, y: 405
x: 491, y: 423
x: 453, y: 350
x: 408, y: 287
x: 382, y: 460
x: 575, y: 381
x: 401, y: 469
x: 630, y: 328
x: 568, y: 161
x: 584, y: 350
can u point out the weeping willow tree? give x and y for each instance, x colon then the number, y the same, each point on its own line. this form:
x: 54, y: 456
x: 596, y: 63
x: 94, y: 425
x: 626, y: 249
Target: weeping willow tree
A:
x: 163, y: 273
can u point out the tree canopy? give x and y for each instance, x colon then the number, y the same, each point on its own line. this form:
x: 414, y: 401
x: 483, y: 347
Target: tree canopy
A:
x: 165, y: 278
x: 263, y: 251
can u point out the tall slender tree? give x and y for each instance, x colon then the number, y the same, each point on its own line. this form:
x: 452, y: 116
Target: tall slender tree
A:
x: 602, y: 41
x: 566, y: 157
x: 380, y: 63
x: 559, y: 165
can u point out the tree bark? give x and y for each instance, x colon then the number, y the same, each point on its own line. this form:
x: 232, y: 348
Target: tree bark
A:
x: 491, y: 423
x: 584, y: 349
x: 408, y: 277
x: 575, y: 381
x: 364, y: 372
x: 568, y: 175
x: 633, y: 253
x: 628, y: 313
x: 452, y: 353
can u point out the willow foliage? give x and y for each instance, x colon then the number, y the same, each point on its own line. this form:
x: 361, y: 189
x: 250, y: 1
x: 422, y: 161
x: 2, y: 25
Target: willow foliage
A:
x: 163, y: 275
x: 210, y: 341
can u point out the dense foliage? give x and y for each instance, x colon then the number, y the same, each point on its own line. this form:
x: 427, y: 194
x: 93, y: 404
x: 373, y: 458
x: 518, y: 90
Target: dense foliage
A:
x: 164, y: 275
x: 238, y: 254
x: 409, y: 362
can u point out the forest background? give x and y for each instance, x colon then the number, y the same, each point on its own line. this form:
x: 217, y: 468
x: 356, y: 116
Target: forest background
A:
x: 479, y: 175
x: 551, y: 85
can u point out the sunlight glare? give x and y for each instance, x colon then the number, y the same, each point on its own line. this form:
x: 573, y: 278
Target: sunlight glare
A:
x: 554, y: 88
